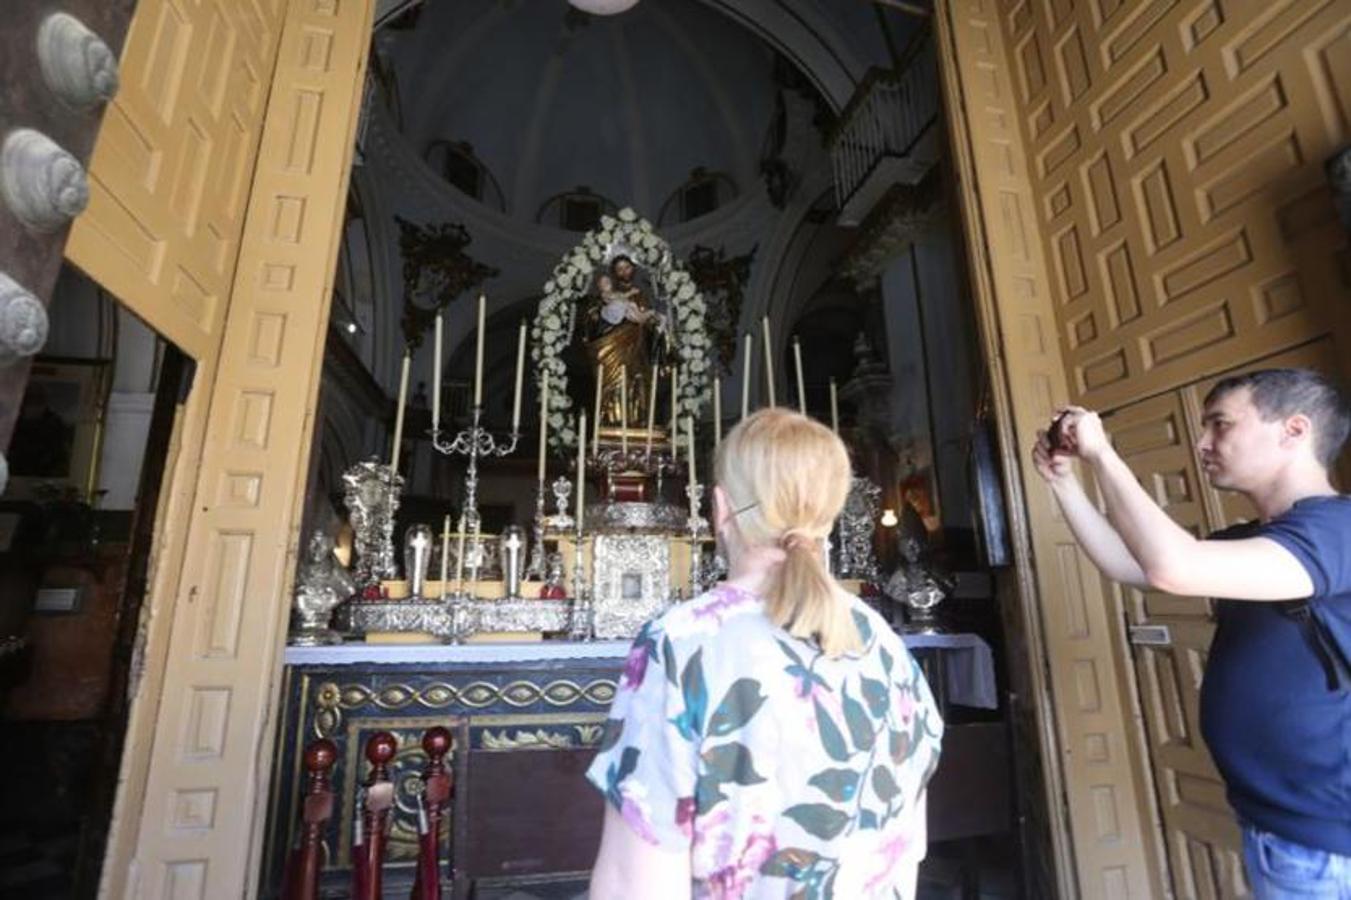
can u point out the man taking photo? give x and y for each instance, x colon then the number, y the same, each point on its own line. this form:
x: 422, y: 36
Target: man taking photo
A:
x: 1276, y: 695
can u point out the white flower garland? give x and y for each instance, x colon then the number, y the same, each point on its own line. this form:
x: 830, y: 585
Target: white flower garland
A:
x: 556, y: 318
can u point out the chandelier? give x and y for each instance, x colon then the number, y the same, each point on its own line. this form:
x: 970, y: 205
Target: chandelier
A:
x: 604, y: 7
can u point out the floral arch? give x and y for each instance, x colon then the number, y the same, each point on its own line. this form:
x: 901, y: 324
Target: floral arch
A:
x: 684, y: 307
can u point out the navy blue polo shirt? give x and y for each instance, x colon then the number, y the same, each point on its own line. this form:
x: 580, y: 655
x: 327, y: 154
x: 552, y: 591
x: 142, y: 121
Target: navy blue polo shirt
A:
x: 1279, y: 733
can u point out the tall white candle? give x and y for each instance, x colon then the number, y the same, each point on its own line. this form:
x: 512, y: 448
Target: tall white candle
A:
x: 746, y: 377
x: 769, y: 360
x: 436, y: 377
x: 459, y: 558
x: 520, y: 374
x: 445, y: 552
x: 398, y: 415
x: 689, y: 446
x: 675, y: 433
x: 478, y: 353
x: 651, y: 408
x: 717, y: 410
x: 624, y: 409
x: 543, y: 424
x: 797, y: 364
x: 834, y: 407
x: 581, y: 470
x: 595, y: 427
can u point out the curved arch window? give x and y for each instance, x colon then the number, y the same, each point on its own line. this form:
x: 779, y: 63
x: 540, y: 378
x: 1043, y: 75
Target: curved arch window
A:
x: 700, y: 195
x: 456, y: 162
x: 579, y: 209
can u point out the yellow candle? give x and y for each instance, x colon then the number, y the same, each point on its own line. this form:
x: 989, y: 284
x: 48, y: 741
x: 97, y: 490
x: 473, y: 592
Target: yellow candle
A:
x: 581, y: 470
x: 520, y: 374
x: 651, y: 408
x: 595, y: 433
x: 478, y: 353
x: 769, y: 360
x: 746, y: 378
x: 689, y: 445
x: 445, y: 551
x: 797, y: 364
x: 398, y: 415
x: 834, y: 407
x: 543, y: 424
x: 717, y: 410
x: 436, y: 377
x: 624, y: 409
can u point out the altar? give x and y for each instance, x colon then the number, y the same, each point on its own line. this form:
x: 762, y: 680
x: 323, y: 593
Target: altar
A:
x: 527, y: 719
x: 514, y: 642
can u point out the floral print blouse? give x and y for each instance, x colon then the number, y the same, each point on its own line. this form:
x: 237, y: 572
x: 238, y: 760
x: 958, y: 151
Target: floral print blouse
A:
x: 785, y: 773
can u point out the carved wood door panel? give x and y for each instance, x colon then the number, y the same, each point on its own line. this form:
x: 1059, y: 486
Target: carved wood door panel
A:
x: 1169, y: 638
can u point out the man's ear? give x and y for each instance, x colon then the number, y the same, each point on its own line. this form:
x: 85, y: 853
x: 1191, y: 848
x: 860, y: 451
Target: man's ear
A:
x: 1298, y: 428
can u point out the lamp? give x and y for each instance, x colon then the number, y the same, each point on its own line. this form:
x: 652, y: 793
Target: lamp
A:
x: 889, y: 519
x: 604, y: 7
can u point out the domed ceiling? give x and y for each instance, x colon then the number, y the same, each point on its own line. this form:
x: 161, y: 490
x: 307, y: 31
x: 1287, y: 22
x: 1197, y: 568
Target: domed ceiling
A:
x: 551, y: 99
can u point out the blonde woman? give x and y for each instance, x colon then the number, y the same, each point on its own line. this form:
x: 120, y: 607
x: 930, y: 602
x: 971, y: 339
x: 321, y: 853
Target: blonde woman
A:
x: 773, y: 737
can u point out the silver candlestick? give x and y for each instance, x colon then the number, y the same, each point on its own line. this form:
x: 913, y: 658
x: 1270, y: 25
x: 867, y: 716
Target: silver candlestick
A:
x: 561, y: 520
x: 534, y: 571
x: 696, y: 528
x: 582, y: 621
x: 473, y: 442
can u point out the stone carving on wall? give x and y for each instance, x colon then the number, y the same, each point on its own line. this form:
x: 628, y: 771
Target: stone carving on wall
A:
x: 436, y: 270
x: 722, y: 280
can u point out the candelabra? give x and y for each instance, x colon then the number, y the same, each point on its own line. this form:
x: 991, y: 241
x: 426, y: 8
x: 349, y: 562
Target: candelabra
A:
x: 696, y: 527
x: 473, y: 442
x: 534, y: 570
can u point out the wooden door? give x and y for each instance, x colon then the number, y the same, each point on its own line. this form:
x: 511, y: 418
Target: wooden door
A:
x: 219, y: 181
x: 1156, y: 169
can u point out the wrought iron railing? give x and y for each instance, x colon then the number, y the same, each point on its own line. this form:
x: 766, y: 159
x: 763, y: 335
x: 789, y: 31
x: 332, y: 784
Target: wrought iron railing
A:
x: 890, y: 114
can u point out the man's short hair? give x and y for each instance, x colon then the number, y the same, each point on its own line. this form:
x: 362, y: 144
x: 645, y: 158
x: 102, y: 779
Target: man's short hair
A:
x: 1281, y: 393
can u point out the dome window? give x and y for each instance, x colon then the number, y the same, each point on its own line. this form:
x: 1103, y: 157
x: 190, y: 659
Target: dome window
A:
x: 703, y: 193
x: 577, y: 210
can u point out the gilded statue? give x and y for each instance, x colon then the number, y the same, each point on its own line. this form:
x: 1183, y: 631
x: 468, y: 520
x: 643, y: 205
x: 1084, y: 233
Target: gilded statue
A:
x: 624, y: 334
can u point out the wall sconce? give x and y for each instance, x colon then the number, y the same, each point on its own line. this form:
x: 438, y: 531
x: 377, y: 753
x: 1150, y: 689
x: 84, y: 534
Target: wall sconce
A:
x: 889, y: 519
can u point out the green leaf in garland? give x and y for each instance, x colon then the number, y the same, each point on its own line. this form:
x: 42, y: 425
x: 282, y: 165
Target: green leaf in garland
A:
x: 900, y: 747
x: 867, y: 820
x: 831, y: 738
x: 839, y: 785
x: 818, y: 819
x: 731, y: 762
x: 742, y: 700
x: 875, y: 695
x: 860, y: 726
x: 613, y: 729
x: 790, y: 862
x: 884, y: 784
x: 886, y: 660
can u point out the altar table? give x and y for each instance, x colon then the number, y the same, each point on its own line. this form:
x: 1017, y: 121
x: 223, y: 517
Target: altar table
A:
x: 522, y: 810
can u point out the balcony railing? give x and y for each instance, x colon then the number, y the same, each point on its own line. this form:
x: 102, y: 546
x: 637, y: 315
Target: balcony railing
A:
x: 888, y: 133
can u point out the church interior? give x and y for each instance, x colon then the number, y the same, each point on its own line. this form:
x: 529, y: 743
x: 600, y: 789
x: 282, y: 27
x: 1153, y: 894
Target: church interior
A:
x: 361, y: 379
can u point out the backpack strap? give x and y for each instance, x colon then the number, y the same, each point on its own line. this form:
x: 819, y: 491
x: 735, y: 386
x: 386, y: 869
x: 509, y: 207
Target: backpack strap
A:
x: 1335, y: 665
